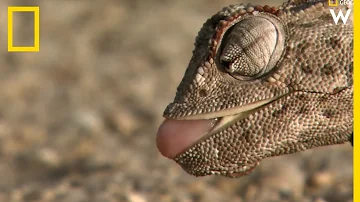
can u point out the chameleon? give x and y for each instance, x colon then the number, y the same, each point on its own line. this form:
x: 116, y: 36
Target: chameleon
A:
x: 262, y: 81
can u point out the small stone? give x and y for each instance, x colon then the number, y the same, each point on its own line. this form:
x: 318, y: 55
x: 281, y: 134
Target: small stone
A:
x: 322, y: 179
x: 124, y: 121
x: 49, y: 157
x: 135, y: 197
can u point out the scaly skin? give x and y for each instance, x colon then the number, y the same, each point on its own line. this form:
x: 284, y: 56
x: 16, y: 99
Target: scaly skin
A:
x: 308, y: 94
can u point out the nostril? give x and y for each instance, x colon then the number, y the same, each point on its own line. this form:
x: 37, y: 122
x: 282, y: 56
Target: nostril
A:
x: 203, y: 92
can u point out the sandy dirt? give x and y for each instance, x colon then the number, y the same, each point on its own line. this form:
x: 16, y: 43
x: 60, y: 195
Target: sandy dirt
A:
x: 78, y: 119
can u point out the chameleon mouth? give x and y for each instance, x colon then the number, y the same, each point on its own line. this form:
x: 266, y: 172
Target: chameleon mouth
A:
x: 175, y: 136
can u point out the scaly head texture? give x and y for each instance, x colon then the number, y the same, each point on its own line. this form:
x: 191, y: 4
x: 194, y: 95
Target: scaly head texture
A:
x: 276, y: 80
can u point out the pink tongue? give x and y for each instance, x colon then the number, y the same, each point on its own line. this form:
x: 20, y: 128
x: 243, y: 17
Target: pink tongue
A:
x: 174, y: 136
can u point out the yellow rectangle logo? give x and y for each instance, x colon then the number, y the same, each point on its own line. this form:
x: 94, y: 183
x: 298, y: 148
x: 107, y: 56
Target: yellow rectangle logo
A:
x: 36, y: 47
x: 333, y: 3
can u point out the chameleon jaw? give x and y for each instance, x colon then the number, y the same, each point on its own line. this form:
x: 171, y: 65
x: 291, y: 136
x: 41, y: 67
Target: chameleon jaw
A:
x: 219, y: 124
x: 176, y: 136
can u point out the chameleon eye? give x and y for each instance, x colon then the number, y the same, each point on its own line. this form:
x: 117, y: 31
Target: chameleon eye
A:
x: 253, y: 46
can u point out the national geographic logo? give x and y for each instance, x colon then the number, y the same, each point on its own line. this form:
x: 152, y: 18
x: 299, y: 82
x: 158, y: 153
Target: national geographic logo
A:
x: 36, y: 11
x: 334, y: 3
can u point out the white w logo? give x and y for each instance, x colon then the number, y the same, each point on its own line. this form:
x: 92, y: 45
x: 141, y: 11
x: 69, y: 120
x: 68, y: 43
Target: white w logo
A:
x: 340, y: 15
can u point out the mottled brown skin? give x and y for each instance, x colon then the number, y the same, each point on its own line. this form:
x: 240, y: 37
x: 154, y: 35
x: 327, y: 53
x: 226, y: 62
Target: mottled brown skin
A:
x: 312, y: 83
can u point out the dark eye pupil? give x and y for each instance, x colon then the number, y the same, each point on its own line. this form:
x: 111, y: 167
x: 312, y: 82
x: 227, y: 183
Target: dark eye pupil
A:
x: 226, y: 64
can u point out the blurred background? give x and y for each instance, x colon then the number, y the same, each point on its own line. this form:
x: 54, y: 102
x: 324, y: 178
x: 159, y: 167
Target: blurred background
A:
x: 78, y: 119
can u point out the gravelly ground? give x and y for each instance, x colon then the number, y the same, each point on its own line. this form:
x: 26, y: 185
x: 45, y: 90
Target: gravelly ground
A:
x: 78, y: 119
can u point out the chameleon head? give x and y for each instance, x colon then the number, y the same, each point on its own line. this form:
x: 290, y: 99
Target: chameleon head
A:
x: 259, y: 86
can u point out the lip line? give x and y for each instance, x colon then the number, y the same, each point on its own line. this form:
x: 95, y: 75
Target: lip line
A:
x: 230, y: 119
x: 225, y: 121
x: 233, y: 111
